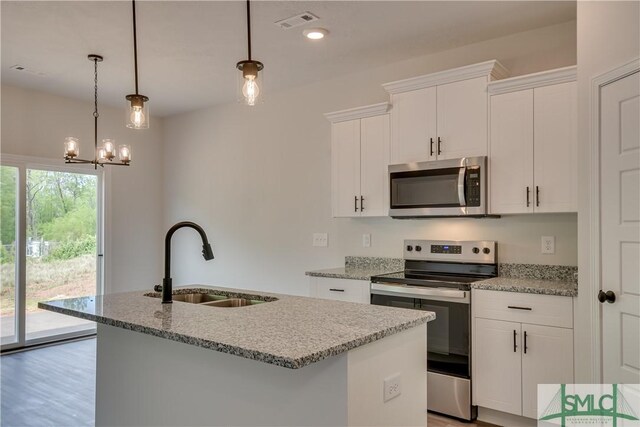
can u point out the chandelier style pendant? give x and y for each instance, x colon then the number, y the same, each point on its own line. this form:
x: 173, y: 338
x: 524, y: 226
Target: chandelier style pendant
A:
x: 249, y: 78
x: 105, y: 154
x: 137, y: 108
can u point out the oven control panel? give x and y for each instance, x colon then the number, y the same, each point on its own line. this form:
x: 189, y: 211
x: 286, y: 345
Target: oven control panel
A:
x: 479, y: 251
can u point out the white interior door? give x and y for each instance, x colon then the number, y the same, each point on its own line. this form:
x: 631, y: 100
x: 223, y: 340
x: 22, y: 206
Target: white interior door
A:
x: 556, y: 148
x: 620, y: 228
x: 413, y: 126
x: 511, y: 160
x: 345, y: 168
x: 374, y: 159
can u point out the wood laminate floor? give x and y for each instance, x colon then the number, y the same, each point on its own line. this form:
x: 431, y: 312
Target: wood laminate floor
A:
x: 49, y: 386
x: 55, y: 386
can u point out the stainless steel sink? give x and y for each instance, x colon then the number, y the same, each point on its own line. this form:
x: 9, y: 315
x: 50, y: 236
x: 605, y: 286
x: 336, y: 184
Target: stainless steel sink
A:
x: 233, y: 302
x: 211, y: 300
x: 198, y: 298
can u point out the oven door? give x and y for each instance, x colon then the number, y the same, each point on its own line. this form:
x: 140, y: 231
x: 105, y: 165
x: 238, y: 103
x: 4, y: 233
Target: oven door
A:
x: 448, y: 336
x: 440, y: 188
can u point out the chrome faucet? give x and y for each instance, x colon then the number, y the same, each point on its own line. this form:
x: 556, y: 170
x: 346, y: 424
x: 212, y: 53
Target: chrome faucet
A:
x: 207, y: 253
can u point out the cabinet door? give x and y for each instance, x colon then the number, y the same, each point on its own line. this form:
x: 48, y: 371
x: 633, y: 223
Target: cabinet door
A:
x: 374, y: 159
x: 497, y: 361
x: 555, y: 148
x: 547, y: 358
x: 345, y: 168
x: 413, y: 125
x: 462, y: 118
x: 511, y: 153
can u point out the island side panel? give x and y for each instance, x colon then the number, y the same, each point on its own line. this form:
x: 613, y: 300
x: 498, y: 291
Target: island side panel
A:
x: 404, y: 353
x: 144, y: 380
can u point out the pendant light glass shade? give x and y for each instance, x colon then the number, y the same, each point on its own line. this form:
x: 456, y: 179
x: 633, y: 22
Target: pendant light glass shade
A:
x: 137, y: 112
x: 250, y: 82
x: 71, y: 147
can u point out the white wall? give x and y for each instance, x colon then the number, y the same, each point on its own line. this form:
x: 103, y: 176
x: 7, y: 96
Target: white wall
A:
x: 608, y: 36
x: 259, y: 180
x: 36, y: 123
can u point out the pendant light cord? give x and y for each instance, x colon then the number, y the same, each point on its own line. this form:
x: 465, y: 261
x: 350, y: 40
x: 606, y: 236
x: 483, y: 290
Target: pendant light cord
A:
x: 135, y: 44
x: 249, y: 28
x: 95, y: 109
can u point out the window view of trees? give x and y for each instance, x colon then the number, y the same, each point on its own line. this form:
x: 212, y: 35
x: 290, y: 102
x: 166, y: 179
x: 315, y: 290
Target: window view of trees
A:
x: 61, y: 215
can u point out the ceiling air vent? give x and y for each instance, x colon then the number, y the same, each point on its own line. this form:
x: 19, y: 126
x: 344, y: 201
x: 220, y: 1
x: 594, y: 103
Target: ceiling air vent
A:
x: 296, y: 21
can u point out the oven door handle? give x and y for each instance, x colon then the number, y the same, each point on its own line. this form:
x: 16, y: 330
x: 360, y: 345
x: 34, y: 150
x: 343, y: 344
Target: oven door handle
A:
x: 414, y: 292
x: 461, y: 176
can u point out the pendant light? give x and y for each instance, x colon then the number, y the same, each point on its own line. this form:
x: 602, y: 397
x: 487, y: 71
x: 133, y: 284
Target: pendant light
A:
x: 137, y: 108
x: 107, y: 152
x: 249, y: 78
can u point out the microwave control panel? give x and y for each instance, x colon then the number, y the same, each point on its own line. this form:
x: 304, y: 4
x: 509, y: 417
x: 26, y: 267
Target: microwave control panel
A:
x: 473, y: 186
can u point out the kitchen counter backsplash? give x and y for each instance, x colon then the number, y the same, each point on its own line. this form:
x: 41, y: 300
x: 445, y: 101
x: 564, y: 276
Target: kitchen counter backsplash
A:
x: 561, y: 273
x: 377, y: 263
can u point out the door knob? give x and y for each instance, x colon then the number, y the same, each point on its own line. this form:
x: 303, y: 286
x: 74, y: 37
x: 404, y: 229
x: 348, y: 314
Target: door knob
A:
x: 608, y: 296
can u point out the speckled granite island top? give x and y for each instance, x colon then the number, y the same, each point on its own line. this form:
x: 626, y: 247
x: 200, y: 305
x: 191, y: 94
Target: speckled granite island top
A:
x: 288, y: 331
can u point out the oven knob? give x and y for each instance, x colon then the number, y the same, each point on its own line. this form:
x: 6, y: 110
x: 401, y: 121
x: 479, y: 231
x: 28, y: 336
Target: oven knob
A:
x: 476, y: 250
x: 409, y: 248
x: 418, y: 248
x: 486, y: 250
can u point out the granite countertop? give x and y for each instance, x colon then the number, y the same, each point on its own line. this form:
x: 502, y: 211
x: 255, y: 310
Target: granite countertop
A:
x: 288, y: 331
x: 528, y: 285
x: 361, y: 268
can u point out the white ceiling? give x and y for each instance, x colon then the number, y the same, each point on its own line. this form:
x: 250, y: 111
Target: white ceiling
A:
x: 188, y: 50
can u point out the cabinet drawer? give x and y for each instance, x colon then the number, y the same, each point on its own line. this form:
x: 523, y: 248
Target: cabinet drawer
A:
x: 341, y: 289
x: 549, y: 310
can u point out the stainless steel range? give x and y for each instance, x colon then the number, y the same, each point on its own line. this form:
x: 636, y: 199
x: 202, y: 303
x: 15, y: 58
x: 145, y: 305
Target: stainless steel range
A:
x: 437, y: 277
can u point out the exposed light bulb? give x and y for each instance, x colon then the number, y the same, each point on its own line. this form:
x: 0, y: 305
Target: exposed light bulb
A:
x: 250, y: 90
x: 137, y: 116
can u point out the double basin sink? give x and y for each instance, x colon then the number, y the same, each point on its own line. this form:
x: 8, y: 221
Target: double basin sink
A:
x: 212, y: 300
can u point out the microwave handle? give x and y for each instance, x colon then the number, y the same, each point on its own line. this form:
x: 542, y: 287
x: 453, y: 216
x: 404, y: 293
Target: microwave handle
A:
x: 461, y: 178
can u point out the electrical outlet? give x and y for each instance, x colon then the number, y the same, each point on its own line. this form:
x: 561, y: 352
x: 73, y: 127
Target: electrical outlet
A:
x: 366, y: 240
x: 320, y: 239
x: 548, y: 245
x: 392, y: 387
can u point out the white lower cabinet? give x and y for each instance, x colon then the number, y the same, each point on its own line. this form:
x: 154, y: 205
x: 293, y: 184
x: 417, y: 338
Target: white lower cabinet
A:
x: 511, y: 357
x: 341, y: 289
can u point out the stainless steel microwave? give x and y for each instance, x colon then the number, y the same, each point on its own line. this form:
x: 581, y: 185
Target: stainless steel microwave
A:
x: 441, y: 188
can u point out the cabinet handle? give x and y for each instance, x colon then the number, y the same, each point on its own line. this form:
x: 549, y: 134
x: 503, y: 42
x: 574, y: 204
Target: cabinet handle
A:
x: 528, y: 191
x: 537, y: 196
x: 515, y: 307
x: 515, y: 346
x: 336, y: 290
x: 431, y: 146
x: 439, y: 143
x: 525, y: 342
x: 355, y: 203
x: 361, y: 203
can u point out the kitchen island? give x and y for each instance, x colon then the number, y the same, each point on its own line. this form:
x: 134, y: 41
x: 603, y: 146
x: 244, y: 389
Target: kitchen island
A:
x: 279, y: 360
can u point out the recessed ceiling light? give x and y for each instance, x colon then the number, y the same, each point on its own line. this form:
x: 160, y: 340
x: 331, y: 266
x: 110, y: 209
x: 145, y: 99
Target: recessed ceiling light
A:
x: 315, y: 33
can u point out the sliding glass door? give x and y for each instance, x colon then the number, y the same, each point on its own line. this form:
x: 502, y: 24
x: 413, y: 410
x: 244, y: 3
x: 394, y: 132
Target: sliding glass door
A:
x: 56, y: 252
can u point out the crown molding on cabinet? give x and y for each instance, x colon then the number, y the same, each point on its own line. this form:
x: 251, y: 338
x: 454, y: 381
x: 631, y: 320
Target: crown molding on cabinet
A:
x: 358, y: 112
x: 530, y: 81
x: 493, y: 69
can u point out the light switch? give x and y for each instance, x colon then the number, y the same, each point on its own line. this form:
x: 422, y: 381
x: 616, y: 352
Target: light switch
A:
x: 366, y: 240
x: 320, y: 239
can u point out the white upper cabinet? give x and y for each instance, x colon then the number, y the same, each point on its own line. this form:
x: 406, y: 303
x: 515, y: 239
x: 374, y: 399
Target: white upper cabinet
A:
x: 441, y: 115
x: 511, y: 154
x: 533, y: 143
x: 413, y: 122
x: 359, y: 160
x: 555, y: 161
x: 462, y: 119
